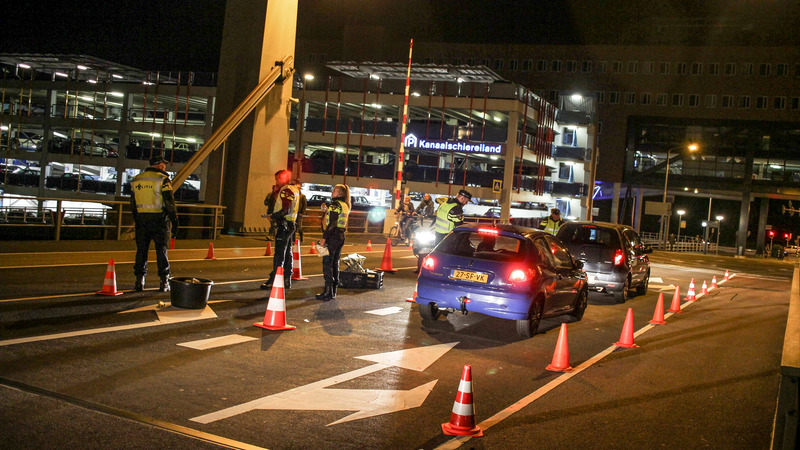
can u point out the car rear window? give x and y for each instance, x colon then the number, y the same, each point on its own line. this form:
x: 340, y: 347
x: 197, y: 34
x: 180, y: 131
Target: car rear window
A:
x: 486, y: 245
x: 588, y: 234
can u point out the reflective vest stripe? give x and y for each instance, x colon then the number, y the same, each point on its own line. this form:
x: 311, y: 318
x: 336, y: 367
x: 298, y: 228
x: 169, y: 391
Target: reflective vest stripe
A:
x: 343, y: 210
x: 443, y: 224
x: 551, y: 226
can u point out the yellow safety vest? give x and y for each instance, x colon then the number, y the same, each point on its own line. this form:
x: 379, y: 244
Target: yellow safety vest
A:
x: 293, y: 210
x: 443, y: 224
x: 551, y: 226
x: 342, y: 209
x: 147, y: 188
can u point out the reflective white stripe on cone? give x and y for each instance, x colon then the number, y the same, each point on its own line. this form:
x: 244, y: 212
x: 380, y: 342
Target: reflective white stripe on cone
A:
x: 297, y: 268
x: 275, y: 317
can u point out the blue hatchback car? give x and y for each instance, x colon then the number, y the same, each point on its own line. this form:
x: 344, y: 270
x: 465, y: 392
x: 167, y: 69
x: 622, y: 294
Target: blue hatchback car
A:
x: 502, y: 271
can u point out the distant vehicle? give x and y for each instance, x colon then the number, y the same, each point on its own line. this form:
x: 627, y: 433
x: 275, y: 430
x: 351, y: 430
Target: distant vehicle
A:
x: 187, y: 192
x: 318, y: 200
x: 110, y: 151
x: 614, y: 257
x: 360, y: 203
x: 24, y: 177
x: 493, y: 213
x: 70, y: 181
x: 85, y: 146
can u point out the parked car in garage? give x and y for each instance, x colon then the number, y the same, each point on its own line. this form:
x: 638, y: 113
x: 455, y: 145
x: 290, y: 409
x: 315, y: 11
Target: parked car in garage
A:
x: 70, y: 182
x: 502, y: 271
x: 318, y: 200
x: 23, y: 177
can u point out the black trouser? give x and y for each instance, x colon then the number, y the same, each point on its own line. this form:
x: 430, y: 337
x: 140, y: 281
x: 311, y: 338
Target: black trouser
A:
x: 151, y: 227
x: 299, y: 227
x: 330, y: 262
x: 284, y: 238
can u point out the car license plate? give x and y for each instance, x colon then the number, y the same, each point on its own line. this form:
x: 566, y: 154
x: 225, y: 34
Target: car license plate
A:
x: 470, y: 276
x: 592, y: 278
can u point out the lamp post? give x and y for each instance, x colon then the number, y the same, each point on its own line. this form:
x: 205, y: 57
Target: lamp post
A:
x: 680, y: 222
x: 719, y: 228
x: 665, y: 218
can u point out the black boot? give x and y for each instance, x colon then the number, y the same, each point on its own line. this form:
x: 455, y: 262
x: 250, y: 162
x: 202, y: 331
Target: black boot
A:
x: 287, y: 283
x: 164, y: 285
x: 325, y: 294
x: 139, y: 284
x: 333, y: 290
x: 267, y: 285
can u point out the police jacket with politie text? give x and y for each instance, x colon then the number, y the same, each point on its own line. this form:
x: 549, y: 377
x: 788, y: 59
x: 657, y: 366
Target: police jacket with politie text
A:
x: 335, y: 220
x: 289, y: 201
x: 152, y: 194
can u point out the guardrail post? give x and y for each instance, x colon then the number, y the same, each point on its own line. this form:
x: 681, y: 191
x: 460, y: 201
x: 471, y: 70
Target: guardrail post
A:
x: 57, y: 220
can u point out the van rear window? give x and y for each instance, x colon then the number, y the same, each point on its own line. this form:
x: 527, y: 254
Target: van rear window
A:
x: 588, y: 234
x: 492, y: 247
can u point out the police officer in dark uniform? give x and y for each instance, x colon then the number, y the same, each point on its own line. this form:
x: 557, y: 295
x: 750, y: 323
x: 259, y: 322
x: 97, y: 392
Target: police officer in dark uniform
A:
x: 333, y: 235
x: 450, y: 215
x: 154, y: 211
x: 284, y: 218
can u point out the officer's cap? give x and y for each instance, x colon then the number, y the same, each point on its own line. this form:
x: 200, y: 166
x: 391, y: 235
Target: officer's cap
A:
x: 555, y: 211
x: 465, y: 194
x: 157, y: 160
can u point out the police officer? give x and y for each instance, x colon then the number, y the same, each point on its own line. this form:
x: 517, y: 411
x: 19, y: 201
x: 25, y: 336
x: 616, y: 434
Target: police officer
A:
x: 302, y: 205
x: 450, y: 215
x: 284, y: 220
x: 153, y: 209
x: 553, y: 222
x: 334, y: 224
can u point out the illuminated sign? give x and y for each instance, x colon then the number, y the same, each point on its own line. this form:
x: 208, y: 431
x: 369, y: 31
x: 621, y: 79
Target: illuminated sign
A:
x: 412, y: 141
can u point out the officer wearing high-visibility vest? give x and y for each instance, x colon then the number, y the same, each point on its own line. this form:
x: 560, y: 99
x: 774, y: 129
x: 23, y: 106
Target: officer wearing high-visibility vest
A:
x: 284, y: 220
x: 334, y: 224
x: 153, y: 208
x: 552, y: 223
x: 450, y: 215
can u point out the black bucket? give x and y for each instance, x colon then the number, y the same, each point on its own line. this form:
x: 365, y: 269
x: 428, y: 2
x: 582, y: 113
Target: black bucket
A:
x: 189, y: 292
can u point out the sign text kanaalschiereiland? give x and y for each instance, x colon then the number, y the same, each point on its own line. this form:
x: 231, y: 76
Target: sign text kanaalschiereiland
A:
x: 412, y: 141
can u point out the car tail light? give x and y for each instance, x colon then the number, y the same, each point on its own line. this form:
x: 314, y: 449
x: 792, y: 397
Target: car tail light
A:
x: 520, y: 276
x: 491, y: 231
x: 618, y: 257
x: 429, y: 263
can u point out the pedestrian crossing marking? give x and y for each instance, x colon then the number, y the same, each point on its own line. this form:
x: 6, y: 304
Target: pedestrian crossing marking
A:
x: 385, y: 311
x: 222, y: 341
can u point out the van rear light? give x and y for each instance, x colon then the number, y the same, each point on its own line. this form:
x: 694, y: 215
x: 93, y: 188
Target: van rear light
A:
x: 490, y: 231
x: 428, y: 263
x: 618, y: 257
x: 519, y: 276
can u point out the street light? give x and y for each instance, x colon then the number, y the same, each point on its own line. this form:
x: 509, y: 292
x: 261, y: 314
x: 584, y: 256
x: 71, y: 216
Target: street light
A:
x: 665, y: 226
x: 680, y: 222
x: 719, y: 228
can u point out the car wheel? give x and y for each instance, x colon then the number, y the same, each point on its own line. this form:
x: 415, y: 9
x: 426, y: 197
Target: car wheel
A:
x: 527, y: 328
x: 104, y: 153
x: 642, y: 288
x: 580, y: 305
x: 622, y: 296
x: 429, y: 311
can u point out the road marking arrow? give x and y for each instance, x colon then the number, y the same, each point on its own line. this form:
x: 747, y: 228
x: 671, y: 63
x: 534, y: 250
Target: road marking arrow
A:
x: 365, y: 402
x: 656, y: 280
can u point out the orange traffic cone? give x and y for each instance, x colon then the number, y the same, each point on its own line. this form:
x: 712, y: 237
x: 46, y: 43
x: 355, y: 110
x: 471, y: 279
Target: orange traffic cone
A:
x: 386, y: 264
x: 313, y: 250
x: 462, y: 419
x: 413, y: 299
x: 726, y: 275
x: 172, y: 243
x: 658, y: 314
x: 675, y: 307
x: 714, y: 282
x: 705, y: 288
x: 690, y: 296
x: 210, y: 254
x: 626, y: 337
x: 268, y: 250
x: 561, y: 355
x: 110, y: 281
x: 275, y: 318
x: 297, y: 268
x: 369, y: 245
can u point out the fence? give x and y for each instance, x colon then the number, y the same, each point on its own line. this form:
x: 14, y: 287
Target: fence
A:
x: 684, y: 244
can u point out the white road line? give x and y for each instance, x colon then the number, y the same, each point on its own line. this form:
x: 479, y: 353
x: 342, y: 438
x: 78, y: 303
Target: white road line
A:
x: 222, y: 341
x: 656, y: 280
x: 385, y: 311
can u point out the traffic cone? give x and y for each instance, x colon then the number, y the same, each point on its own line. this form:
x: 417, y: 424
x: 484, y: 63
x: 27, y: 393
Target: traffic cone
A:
x: 675, y: 307
x: 626, y: 337
x: 413, y: 299
x: 172, y: 243
x: 210, y: 254
x: 658, y: 314
x: 386, y: 264
x: 462, y: 419
x: 313, y: 250
x: 297, y: 269
x: 690, y: 296
x: 726, y: 275
x: 704, y: 288
x: 714, y: 282
x: 275, y: 318
x: 561, y: 355
x: 369, y: 245
x: 110, y: 281
x: 268, y: 250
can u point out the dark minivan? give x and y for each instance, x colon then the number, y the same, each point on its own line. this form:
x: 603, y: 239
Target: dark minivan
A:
x: 614, y: 257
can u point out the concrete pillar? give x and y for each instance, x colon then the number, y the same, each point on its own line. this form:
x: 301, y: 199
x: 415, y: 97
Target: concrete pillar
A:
x: 762, y: 225
x: 615, y: 204
x: 637, y: 218
x: 744, y: 216
x: 508, y: 165
x: 256, y: 33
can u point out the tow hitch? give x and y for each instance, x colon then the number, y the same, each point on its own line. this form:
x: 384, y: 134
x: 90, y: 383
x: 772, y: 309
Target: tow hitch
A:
x: 463, y: 300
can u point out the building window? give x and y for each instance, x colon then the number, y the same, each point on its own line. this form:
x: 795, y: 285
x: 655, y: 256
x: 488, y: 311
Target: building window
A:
x: 645, y: 99
x: 541, y: 65
x: 748, y: 69
x: 677, y: 99
x: 779, y: 103
x: 633, y: 66
x: 680, y: 68
x: 586, y: 66
x: 648, y: 67
x: 711, y: 101
x: 713, y: 68
x: 616, y: 67
x: 498, y: 64
x: 795, y: 103
x: 744, y: 101
x: 513, y: 64
x: 601, y: 96
x: 730, y: 69
x: 630, y: 98
x: 727, y: 101
x: 613, y: 98
x: 761, y: 102
x: 599, y: 127
x: 781, y: 70
x: 552, y: 96
x: 527, y: 65
x: 697, y: 68
x: 572, y: 66
x: 441, y: 61
x: 483, y: 62
x: 601, y: 67
x: 470, y: 61
x: 694, y: 100
x: 455, y: 61
x: 663, y: 68
x: 555, y: 66
x: 427, y: 60
x: 661, y: 99
x: 764, y: 69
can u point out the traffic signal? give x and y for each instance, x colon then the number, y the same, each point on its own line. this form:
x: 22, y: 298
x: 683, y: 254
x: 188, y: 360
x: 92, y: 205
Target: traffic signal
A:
x: 771, y: 233
x: 786, y: 236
